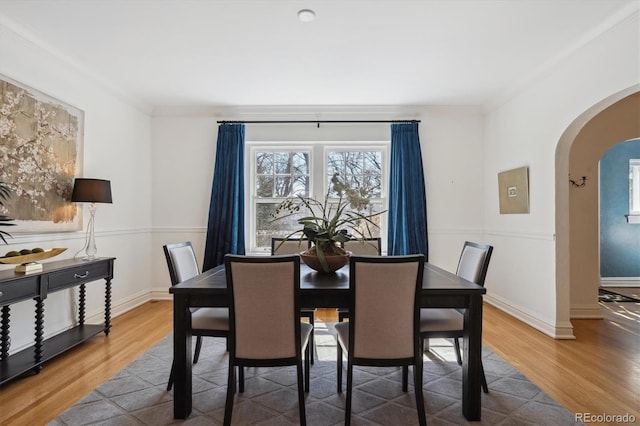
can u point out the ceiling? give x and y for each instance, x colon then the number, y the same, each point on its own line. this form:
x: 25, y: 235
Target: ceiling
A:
x: 356, y: 52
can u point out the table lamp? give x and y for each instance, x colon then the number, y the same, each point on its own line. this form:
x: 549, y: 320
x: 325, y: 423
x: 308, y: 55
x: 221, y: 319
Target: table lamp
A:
x: 92, y: 191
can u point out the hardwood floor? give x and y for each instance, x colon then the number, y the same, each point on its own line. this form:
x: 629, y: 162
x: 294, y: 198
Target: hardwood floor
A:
x: 598, y: 373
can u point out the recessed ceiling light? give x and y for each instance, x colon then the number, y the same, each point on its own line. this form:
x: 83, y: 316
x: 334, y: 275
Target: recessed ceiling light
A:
x: 306, y: 15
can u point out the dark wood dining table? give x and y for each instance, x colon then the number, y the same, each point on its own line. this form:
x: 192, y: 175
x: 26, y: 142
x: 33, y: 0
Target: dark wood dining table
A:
x: 440, y: 289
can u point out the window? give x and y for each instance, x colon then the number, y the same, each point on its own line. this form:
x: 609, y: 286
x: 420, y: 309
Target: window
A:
x: 279, y: 171
x: 634, y: 191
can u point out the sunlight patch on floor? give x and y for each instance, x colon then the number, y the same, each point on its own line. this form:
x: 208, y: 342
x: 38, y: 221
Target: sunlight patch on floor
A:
x: 325, y: 343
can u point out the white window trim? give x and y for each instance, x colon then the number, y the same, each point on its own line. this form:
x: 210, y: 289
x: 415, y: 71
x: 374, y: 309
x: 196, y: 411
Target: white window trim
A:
x: 318, y: 186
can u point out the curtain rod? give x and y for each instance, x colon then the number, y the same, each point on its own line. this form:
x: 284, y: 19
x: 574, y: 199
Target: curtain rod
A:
x: 313, y: 121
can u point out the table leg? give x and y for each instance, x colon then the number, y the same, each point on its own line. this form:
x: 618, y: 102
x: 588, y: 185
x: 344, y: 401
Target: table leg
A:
x: 181, y: 357
x: 38, y: 347
x: 472, y: 359
x: 4, y: 332
x: 81, y: 304
x: 107, y: 306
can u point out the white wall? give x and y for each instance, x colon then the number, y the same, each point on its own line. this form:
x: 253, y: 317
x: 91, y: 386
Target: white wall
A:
x: 185, y: 140
x: 524, y: 131
x: 116, y: 147
x: 161, y: 171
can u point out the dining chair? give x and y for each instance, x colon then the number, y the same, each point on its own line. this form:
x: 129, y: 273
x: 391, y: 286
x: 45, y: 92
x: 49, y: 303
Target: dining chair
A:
x: 449, y: 322
x: 265, y: 334
x: 282, y: 246
x: 383, y: 328
x: 363, y: 246
x: 182, y: 263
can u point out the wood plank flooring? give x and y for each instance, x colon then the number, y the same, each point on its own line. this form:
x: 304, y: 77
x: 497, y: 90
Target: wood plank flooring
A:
x: 598, y: 373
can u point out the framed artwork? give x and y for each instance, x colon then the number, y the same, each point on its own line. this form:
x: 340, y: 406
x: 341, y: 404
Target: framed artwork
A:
x: 41, y: 142
x: 513, y: 190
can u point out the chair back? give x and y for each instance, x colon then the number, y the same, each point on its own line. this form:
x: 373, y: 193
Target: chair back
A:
x: 385, y: 310
x: 474, y: 262
x: 282, y: 246
x: 365, y: 246
x: 264, y: 311
x: 181, y: 260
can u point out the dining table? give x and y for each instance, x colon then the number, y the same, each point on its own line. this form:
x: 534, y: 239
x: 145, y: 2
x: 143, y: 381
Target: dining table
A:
x: 440, y: 289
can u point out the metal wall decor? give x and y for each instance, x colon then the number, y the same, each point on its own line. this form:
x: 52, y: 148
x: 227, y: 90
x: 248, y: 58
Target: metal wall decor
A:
x: 513, y: 187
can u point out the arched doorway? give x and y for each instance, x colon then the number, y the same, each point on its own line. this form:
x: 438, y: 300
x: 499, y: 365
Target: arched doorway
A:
x: 604, y: 125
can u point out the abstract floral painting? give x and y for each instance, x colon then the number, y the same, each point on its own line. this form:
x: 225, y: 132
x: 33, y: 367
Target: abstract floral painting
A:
x: 40, y: 154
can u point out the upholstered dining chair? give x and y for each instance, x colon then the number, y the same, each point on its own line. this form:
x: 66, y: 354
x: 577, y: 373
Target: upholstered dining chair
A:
x: 282, y: 246
x: 383, y: 328
x: 358, y: 247
x: 182, y: 263
x: 264, y: 320
x: 364, y: 246
x: 448, y: 322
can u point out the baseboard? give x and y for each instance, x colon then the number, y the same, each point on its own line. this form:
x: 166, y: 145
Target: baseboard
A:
x: 620, y: 282
x: 590, y: 311
x: 560, y: 331
x: 120, y: 308
x: 161, y: 294
x: 96, y: 317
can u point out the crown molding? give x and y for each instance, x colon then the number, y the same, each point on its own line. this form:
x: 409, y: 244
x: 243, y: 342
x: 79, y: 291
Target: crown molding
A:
x: 543, y: 69
x: 76, y: 64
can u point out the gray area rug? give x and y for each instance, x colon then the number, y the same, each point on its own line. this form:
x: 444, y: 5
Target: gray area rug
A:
x: 137, y: 396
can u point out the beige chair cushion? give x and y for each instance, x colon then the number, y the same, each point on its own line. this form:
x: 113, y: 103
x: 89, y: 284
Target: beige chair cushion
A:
x: 264, y: 310
x: 342, y: 331
x: 290, y: 247
x: 470, y: 264
x: 184, y: 263
x: 364, y: 248
x: 210, y: 319
x: 305, y: 333
x: 436, y: 319
x: 384, y: 301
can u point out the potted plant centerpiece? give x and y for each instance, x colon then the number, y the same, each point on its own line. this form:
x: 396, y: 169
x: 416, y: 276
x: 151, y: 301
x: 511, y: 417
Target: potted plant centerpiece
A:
x: 329, y: 223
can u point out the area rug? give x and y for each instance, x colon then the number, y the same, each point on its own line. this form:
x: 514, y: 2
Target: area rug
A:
x: 612, y: 296
x: 137, y: 396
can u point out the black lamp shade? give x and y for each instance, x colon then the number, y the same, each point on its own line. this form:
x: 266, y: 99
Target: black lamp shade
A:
x: 91, y: 190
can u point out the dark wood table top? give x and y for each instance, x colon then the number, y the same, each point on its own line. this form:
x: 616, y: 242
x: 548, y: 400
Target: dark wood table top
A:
x: 436, y: 281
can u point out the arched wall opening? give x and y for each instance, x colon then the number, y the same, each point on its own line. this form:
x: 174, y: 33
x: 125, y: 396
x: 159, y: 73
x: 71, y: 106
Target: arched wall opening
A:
x: 611, y: 121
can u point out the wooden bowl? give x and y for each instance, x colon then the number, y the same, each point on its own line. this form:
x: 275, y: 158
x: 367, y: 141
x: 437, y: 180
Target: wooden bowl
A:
x: 33, y: 257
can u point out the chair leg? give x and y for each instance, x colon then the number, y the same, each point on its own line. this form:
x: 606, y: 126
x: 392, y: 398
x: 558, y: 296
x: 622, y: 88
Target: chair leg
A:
x: 170, y: 384
x: 339, y: 368
x: 347, y: 410
x: 485, y: 388
x: 405, y: 378
x: 417, y: 385
x: 240, y: 379
x: 342, y: 316
x: 196, y: 355
x: 301, y: 408
x: 231, y: 382
x: 456, y: 343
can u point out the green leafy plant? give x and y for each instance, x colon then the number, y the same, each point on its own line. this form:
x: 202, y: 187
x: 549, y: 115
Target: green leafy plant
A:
x: 329, y: 222
x: 5, y: 193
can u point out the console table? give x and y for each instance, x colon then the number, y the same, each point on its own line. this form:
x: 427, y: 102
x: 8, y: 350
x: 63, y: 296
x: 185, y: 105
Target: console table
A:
x: 55, y: 276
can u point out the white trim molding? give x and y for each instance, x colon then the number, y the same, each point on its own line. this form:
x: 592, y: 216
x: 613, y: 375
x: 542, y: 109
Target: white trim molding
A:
x: 588, y: 311
x: 620, y: 281
x: 561, y: 330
